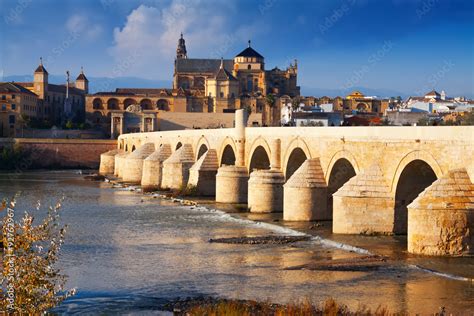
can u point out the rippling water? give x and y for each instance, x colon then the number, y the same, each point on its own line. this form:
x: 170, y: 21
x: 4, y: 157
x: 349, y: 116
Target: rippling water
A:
x: 130, y: 254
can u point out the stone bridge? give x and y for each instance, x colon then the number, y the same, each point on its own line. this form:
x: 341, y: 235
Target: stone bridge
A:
x: 367, y: 180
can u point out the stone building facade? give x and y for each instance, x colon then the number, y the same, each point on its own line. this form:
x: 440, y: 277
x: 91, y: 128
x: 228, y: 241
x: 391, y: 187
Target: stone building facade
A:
x: 48, y: 103
x: 16, y: 104
x: 199, y: 85
x: 58, y: 103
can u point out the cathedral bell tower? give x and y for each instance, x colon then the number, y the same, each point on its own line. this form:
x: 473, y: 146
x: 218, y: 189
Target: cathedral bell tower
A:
x: 181, y: 50
x: 40, y: 80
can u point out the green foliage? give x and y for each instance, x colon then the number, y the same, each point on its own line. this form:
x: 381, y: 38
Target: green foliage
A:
x: 69, y: 125
x: 10, y: 157
x: 248, y: 109
x: 295, y: 102
x: 270, y: 100
x: 32, y: 285
x: 423, y: 122
x: 39, y: 124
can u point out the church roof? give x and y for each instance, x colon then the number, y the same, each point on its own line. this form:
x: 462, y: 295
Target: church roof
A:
x: 11, y: 87
x: 223, y: 74
x: 41, y: 69
x: 82, y: 76
x: 191, y: 65
x: 249, y: 52
x: 433, y: 92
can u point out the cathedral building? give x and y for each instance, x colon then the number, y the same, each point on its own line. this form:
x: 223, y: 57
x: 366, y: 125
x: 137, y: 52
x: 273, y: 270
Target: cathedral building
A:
x: 199, y: 85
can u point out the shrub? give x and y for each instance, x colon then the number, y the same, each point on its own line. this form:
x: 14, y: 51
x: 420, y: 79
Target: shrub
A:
x: 32, y: 284
x: 10, y: 157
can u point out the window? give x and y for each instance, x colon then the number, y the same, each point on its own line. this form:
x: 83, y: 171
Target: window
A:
x: 249, y: 67
x: 11, y: 119
x: 13, y: 106
x: 4, y: 97
x: 221, y: 94
x: 13, y: 96
x: 4, y: 107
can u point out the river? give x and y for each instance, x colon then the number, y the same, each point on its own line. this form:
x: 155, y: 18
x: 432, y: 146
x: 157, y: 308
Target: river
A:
x: 127, y: 253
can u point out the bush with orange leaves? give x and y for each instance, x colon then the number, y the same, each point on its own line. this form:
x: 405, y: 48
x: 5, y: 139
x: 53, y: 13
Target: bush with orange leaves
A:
x: 31, y: 284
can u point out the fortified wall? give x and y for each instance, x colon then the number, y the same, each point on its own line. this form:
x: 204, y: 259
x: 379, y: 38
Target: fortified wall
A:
x: 59, y: 153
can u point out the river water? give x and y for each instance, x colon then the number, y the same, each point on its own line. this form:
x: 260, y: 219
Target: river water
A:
x: 126, y: 253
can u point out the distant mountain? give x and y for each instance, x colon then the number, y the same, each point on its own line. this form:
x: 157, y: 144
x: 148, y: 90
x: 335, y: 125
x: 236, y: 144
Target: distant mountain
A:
x: 381, y: 93
x: 97, y: 84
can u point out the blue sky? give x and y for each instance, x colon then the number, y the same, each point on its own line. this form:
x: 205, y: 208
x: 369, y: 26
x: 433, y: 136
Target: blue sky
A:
x: 410, y: 46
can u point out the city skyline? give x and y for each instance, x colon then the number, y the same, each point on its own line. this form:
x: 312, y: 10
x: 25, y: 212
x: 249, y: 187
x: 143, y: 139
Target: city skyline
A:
x: 406, y: 46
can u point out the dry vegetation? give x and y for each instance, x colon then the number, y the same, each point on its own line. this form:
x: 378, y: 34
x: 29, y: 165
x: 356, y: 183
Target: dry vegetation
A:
x: 223, y: 307
x: 30, y: 282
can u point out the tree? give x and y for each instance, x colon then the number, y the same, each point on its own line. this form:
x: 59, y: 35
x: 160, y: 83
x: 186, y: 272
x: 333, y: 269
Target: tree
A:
x: 248, y: 109
x: 31, y: 283
x: 468, y: 118
x: 270, y: 100
x: 423, y: 121
x: 295, y: 103
x: 69, y: 125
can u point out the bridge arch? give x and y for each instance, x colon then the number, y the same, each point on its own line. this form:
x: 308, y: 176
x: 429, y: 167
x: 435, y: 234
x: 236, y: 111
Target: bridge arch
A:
x: 295, y: 154
x: 342, y: 154
x: 341, y: 171
x: 259, y: 155
x: 408, y: 158
x: 417, y: 171
x: 296, y: 159
x: 201, y: 147
x: 202, y: 150
x: 227, y: 153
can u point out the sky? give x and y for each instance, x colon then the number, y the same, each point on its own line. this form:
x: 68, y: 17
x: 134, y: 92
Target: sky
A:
x: 411, y: 46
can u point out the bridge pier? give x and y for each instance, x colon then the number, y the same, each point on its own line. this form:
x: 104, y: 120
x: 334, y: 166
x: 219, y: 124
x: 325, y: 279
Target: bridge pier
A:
x: 265, y: 191
x: 305, y: 194
x: 441, y: 218
x: 232, y: 185
x: 202, y: 175
x: 153, y: 168
x: 364, y: 204
x: 133, y: 166
x: 232, y: 181
x: 119, y: 164
x: 176, y: 168
x: 107, y: 161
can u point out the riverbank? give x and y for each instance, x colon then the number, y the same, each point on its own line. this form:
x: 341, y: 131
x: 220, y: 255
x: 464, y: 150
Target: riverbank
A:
x: 213, y: 306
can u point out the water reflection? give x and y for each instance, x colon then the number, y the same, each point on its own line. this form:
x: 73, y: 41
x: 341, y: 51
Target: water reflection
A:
x: 125, y: 251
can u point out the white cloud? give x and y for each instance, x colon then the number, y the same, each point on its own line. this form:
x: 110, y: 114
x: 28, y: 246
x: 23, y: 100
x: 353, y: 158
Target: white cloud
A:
x: 153, y: 32
x: 81, y: 25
